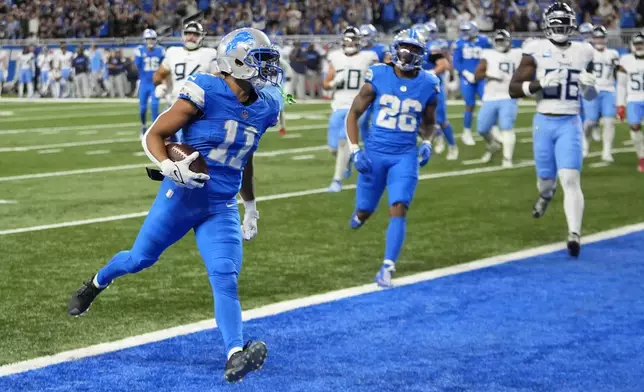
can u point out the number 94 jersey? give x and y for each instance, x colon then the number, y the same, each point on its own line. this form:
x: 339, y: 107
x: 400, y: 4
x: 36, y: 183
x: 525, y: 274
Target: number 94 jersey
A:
x: 182, y: 63
x: 564, y: 98
x: 353, y: 68
x: 227, y: 131
x: 398, y: 108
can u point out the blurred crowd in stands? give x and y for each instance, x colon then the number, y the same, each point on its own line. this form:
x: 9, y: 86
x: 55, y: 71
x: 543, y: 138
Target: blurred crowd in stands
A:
x: 122, y: 18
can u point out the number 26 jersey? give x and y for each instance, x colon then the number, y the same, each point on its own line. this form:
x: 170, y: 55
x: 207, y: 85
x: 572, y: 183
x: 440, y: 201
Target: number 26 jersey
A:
x: 182, y: 63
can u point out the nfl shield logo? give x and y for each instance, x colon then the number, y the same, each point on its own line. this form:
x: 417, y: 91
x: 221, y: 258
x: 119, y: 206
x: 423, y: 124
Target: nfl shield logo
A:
x: 244, y: 114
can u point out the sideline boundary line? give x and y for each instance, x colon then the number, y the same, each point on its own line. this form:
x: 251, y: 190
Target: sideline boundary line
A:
x: 285, y: 306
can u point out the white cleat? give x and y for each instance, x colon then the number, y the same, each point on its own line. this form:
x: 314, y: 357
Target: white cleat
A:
x: 439, y: 146
x: 467, y: 138
x: 384, y: 276
x: 608, y: 157
x: 452, y: 153
x: 491, y: 150
x: 507, y: 164
x: 596, y: 135
x: 335, y: 187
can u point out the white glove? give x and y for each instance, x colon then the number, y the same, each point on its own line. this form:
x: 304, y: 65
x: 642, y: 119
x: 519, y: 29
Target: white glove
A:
x: 180, y: 172
x: 249, y: 227
x: 552, y: 79
x: 338, y: 79
x: 161, y: 90
x: 587, y: 79
x: 469, y: 76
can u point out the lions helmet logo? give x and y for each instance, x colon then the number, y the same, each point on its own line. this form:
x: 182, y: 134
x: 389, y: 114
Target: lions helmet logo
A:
x: 243, y: 37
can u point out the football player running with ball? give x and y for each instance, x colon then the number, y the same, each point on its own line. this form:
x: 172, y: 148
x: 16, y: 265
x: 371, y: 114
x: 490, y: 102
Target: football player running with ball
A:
x: 404, y: 98
x: 557, y: 71
x: 630, y: 94
x: 223, y: 119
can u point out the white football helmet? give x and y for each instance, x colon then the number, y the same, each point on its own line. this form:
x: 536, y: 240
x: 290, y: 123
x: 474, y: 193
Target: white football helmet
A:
x: 637, y: 44
x: 248, y: 54
x: 150, y: 37
x: 193, y: 35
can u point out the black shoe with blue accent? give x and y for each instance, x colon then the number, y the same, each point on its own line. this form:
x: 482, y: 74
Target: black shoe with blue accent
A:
x: 81, y: 300
x: 250, y: 359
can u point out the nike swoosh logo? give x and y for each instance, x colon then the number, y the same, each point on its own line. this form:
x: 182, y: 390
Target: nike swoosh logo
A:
x: 230, y: 205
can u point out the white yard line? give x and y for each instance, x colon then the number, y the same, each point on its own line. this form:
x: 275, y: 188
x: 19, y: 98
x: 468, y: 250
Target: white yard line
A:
x: 72, y: 128
x: 97, y: 152
x: 50, y: 151
x: 628, y: 142
x: 292, y: 136
x: 74, y: 172
x: 90, y: 132
x: 286, y: 306
x: 70, y: 144
x: 303, y: 157
x: 8, y: 201
x: 66, y: 116
x: 599, y: 164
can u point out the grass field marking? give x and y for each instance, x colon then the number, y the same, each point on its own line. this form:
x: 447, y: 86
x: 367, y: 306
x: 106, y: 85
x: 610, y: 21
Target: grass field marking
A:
x: 61, y: 116
x: 286, y: 306
x: 8, y: 201
x: 628, y: 142
x: 74, y: 172
x: 6, y: 113
x: 69, y: 144
x: 97, y: 152
x: 70, y: 128
x: 292, y: 136
x: 303, y: 157
x: 599, y: 164
x: 50, y: 151
x: 90, y: 132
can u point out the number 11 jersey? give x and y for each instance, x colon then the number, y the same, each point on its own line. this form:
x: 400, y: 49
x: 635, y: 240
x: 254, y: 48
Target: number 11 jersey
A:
x: 183, y: 63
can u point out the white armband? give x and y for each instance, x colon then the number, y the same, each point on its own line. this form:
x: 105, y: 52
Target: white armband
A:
x: 526, y: 89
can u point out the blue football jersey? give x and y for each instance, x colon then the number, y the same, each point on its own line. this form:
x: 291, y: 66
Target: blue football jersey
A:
x: 380, y: 50
x: 467, y: 54
x: 398, y: 108
x: 228, y: 131
x: 147, y: 61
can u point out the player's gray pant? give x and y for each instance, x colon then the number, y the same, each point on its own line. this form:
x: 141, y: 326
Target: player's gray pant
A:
x: 81, y: 85
x: 314, y: 80
x: 95, y: 83
x: 297, y: 85
x: 116, y: 85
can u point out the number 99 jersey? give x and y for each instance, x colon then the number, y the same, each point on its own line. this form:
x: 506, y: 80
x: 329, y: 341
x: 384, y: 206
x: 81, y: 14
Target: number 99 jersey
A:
x: 227, y: 131
x: 182, y: 63
x: 398, y: 108
x: 565, y: 98
x: 353, y: 68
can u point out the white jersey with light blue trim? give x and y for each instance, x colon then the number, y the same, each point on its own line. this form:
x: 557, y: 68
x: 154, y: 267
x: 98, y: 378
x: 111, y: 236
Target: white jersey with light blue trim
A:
x: 398, y: 108
x: 604, y: 64
x: 565, y: 98
x: 634, y: 68
x: 504, y: 63
x: 228, y: 131
x: 182, y: 63
x: 26, y: 61
x: 353, y: 68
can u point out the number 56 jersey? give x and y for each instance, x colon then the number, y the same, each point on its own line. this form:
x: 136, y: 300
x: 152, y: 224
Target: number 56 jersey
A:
x: 182, y: 63
x: 634, y: 69
x: 564, y: 98
x: 227, y: 131
x: 398, y: 108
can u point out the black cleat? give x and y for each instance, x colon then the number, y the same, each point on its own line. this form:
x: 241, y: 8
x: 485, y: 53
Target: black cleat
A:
x: 248, y: 360
x: 541, y: 205
x: 574, y: 245
x: 83, y: 298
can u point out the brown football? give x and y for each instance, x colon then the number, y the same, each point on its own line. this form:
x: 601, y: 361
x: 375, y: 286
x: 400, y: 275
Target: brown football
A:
x: 180, y: 151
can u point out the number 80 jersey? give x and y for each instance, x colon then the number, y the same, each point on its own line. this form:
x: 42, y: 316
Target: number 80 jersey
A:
x: 182, y: 63
x: 353, y: 68
x: 563, y: 99
x: 398, y: 108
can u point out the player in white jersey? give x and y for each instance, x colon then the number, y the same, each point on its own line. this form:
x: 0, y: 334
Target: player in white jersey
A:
x: 4, y: 63
x: 556, y: 70
x: 603, y: 107
x: 64, y: 68
x: 630, y: 93
x: 181, y: 62
x: 347, y: 69
x: 44, y: 61
x: 26, y: 70
x: 497, y: 66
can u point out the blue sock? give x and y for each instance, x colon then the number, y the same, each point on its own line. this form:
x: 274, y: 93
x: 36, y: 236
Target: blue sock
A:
x: 124, y: 262
x: 467, y: 120
x: 395, y: 237
x: 155, y: 110
x: 143, y: 112
x: 449, y: 134
x: 227, y: 308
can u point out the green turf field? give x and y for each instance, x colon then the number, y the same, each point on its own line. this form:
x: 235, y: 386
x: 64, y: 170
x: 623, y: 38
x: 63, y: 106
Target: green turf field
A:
x: 460, y: 213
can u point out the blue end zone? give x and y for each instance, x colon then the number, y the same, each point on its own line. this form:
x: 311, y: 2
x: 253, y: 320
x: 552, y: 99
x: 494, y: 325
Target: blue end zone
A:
x: 541, y: 324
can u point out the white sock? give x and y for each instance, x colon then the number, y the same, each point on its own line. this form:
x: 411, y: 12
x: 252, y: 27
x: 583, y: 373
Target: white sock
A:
x: 95, y: 282
x: 509, y: 139
x: 56, y: 90
x: 233, y: 350
x: 21, y: 89
x: 546, y: 187
x: 30, y: 90
x: 608, y: 134
x: 570, y: 180
x: 588, y: 127
x: 467, y: 130
x: 638, y: 143
x: 341, y: 160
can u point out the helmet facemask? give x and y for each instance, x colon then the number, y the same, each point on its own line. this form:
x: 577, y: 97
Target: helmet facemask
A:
x: 350, y: 44
x: 559, y: 28
x: 408, y: 57
x: 266, y: 61
x: 637, y: 45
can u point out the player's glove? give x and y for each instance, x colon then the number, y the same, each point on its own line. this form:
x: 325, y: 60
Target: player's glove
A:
x: 469, y: 76
x: 161, y: 90
x: 621, y: 113
x: 587, y: 79
x: 361, y: 161
x: 249, y: 226
x: 180, y: 172
x: 424, y: 153
x: 552, y: 79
